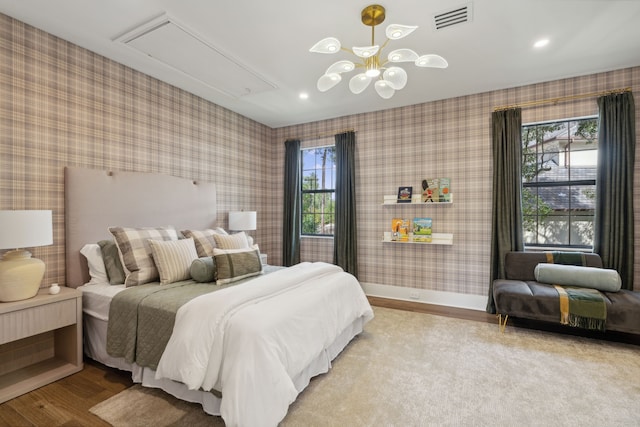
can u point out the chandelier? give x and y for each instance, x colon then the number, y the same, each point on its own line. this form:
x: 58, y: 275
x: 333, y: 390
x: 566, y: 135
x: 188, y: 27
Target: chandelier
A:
x: 388, y: 77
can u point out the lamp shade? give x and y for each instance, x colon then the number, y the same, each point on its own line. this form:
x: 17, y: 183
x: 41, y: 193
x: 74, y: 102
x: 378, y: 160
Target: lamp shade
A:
x: 25, y: 229
x: 242, y: 220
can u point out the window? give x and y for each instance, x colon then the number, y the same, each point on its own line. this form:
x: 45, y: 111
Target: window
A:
x: 318, y: 191
x: 559, y: 165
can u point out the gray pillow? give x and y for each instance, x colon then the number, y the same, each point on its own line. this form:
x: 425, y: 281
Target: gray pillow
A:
x: 203, y: 270
x: 601, y: 279
x: 112, y: 263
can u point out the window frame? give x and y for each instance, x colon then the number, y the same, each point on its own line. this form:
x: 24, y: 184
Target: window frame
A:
x: 570, y: 213
x: 316, y: 191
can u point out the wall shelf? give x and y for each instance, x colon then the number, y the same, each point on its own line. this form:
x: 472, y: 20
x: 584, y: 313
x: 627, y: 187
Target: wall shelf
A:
x: 436, y: 239
x: 416, y: 201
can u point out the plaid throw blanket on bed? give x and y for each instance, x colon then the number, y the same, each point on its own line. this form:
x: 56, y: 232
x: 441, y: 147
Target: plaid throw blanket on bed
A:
x: 579, y: 307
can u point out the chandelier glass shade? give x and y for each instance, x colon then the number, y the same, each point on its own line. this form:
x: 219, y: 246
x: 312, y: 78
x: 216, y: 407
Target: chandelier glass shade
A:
x: 388, y: 77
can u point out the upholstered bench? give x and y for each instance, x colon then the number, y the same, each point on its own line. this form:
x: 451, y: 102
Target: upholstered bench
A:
x: 521, y: 296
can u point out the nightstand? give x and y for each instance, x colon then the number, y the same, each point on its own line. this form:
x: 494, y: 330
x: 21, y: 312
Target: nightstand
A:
x: 40, y: 341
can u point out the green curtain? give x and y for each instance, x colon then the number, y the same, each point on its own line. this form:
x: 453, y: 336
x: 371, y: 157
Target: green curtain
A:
x: 292, y: 204
x: 506, y: 219
x: 613, y: 239
x: 345, y: 244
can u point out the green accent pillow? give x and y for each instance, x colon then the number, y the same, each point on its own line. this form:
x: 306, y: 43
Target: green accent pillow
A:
x: 236, y: 264
x: 203, y: 270
x: 112, y: 263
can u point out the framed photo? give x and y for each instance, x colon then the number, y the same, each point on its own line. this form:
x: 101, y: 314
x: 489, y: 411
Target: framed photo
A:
x: 405, y: 194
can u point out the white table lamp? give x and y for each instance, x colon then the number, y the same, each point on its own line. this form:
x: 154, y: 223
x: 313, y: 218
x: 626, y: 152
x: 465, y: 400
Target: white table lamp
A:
x: 21, y: 275
x: 242, y: 221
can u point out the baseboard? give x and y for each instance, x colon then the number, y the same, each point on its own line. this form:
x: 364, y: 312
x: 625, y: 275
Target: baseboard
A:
x: 426, y: 296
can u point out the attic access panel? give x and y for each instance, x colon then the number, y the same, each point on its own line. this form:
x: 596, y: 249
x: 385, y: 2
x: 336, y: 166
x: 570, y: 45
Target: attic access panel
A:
x: 175, y: 46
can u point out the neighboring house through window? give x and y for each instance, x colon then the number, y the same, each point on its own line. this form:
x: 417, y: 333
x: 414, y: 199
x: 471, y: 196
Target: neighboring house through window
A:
x: 559, y: 165
x: 318, y: 190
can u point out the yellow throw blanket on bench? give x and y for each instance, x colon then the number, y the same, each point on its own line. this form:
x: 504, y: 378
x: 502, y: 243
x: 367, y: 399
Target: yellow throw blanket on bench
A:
x: 582, y: 308
x: 579, y: 307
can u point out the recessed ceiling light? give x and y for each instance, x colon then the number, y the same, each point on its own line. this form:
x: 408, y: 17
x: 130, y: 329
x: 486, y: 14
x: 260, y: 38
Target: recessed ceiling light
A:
x: 304, y: 95
x: 541, y: 43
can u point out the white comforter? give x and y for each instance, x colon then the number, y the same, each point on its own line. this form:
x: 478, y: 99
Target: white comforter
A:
x: 250, y: 340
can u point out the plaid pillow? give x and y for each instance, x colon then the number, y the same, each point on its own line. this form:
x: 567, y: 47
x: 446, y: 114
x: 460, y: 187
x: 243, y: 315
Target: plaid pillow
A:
x: 173, y: 259
x: 136, y: 252
x: 203, y: 239
x: 237, y: 264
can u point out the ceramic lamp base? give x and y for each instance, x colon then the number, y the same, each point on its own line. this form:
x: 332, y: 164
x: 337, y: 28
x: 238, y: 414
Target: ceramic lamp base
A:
x: 20, y: 276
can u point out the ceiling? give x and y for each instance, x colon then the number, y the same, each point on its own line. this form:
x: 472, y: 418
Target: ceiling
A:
x: 267, y: 43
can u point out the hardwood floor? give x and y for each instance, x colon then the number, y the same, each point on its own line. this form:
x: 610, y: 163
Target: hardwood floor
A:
x: 66, y: 402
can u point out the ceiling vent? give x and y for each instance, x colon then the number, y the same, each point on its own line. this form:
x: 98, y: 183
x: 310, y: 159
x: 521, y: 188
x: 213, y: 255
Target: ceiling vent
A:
x: 179, y: 48
x: 455, y: 16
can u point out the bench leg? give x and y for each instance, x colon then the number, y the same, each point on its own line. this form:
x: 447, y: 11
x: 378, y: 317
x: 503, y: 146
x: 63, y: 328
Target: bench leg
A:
x: 502, y: 324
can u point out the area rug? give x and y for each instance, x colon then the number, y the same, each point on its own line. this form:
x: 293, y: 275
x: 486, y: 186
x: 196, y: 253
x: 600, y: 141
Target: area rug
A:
x: 414, y: 369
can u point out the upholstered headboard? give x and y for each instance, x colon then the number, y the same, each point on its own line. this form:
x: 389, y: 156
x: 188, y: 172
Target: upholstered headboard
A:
x: 97, y: 199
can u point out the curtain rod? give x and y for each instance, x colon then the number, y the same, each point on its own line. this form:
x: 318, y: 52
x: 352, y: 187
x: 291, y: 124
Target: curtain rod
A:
x: 321, y: 135
x: 562, y: 99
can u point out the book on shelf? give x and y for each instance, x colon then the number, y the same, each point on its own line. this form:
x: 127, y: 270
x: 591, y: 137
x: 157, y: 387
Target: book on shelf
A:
x: 430, y: 190
x: 422, y: 229
x: 445, y: 189
x: 400, y: 229
x: 404, y: 194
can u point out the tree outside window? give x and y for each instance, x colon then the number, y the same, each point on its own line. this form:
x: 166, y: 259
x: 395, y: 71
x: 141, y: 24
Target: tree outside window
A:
x: 559, y: 165
x: 318, y: 191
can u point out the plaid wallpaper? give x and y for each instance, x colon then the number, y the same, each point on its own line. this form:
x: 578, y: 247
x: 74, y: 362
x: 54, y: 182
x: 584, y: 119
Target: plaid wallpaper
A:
x: 63, y: 105
x: 448, y: 138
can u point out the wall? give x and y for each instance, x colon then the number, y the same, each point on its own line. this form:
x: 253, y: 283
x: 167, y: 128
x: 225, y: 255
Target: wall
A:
x: 449, y: 138
x: 61, y: 105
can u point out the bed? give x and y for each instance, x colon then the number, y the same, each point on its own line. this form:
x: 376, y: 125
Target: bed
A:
x: 244, y: 350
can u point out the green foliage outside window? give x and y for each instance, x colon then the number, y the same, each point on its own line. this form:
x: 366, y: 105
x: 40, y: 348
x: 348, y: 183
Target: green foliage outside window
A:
x: 559, y: 164
x: 318, y: 191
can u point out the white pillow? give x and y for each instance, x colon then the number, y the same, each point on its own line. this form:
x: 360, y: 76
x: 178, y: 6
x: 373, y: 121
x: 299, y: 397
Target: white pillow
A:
x: 232, y: 241
x: 173, y: 259
x: 97, y: 270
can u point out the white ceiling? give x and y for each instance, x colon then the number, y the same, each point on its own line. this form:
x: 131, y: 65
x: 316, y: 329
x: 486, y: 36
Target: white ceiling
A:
x: 272, y: 40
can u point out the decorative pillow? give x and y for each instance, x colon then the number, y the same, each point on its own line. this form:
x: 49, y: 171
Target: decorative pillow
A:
x: 233, y: 265
x: 203, y: 270
x: 133, y: 243
x: 601, y: 279
x: 203, y: 239
x: 97, y: 270
x: 173, y: 259
x: 112, y: 263
x: 232, y: 241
